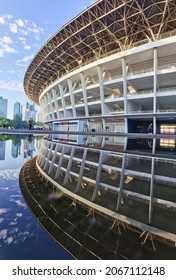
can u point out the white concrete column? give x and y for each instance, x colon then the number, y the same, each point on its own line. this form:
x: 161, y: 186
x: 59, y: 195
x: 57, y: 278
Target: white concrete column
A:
x: 41, y: 152
x: 151, y: 191
x: 70, y: 86
x: 43, y: 109
x: 46, y: 144
x: 47, y: 109
x: 98, y: 175
x: 155, y: 70
x: 81, y: 172
x: 100, y: 77
x: 50, y: 104
x: 120, y: 193
x: 124, y: 75
x: 48, y: 156
x: 84, y: 90
x: 154, y: 132
x: 63, y: 100
x: 53, y: 159
x: 58, y: 171
x: 126, y: 131
x: 67, y: 174
x: 56, y: 103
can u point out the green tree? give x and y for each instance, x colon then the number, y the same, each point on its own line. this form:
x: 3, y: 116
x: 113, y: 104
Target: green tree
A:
x: 4, y: 122
x: 17, y: 122
x: 24, y: 124
x: 39, y: 123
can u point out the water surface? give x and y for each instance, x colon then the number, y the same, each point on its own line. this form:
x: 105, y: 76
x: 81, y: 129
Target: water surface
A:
x: 21, y: 237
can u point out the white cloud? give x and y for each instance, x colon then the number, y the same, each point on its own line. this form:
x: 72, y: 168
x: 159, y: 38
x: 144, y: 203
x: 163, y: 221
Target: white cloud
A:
x: 6, y: 40
x: 11, y: 71
x: 5, y: 18
x: 20, y: 203
x: 34, y: 28
x: 9, y: 174
x: 19, y: 214
x: 2, y: 20
x: 9, y: 240
x: 24, y: 27
x: 1, y: 220
x: 20, y: 22
x: 22, y: 64
x: 3, y: 211
x: 27, y: 58
x: 13, y: 223
x: 9, y: 49
x: 24, y: 32
x: 12, y: 85
x: 13, y: 27
x: 6, y: 49
x: 3, y: 233
x: 27, y: 47
x: 1, y: 53
x: 22, y: 39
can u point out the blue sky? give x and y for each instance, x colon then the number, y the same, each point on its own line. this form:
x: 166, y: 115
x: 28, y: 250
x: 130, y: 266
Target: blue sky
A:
x: 25, y: 25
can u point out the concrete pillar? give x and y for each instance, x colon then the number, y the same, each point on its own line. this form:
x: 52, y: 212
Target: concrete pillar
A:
x: 84, y: 94
x: 63, y: 100
x: 98, y: 175
x: 81, y: 172
x: 48, y: 156
x: 155, y: 69
x: 124, y: 75
x: 46, y: 107
x: 60, y: 163
x: 53, y: 159
x: 70, y: 86
x: 55, y: 102
x: 100, y: 77
x: 120, y: 194
x: 151, y: 191
x: 67, y: 174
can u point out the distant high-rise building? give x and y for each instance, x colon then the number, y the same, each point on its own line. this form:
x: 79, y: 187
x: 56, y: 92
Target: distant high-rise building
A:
x: 39, y: 117
x: 3, y: 107
x: 15, y: 152
x: 2, y: 150
x: 29, y: 112
x: 17, y: 109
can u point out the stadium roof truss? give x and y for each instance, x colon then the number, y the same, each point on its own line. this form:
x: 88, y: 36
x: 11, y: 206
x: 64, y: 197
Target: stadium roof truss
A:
x: 105, y: 27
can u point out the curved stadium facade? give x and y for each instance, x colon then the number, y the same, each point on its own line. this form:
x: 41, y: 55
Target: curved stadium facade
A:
x: 106, y: 82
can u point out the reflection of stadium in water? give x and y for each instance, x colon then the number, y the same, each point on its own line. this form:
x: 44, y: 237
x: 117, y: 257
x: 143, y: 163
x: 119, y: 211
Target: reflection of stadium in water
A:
x: 97, y: 74
x: 91, y: 195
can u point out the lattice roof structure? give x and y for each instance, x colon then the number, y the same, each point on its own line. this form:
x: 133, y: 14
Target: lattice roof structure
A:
x: 105, y: 27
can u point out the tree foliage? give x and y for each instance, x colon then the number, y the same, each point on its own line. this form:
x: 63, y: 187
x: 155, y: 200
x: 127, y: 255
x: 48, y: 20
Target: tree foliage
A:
x: 15, y: 123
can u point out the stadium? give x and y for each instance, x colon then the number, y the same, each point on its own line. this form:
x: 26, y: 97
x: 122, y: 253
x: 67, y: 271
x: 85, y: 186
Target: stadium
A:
x: 106, y: 82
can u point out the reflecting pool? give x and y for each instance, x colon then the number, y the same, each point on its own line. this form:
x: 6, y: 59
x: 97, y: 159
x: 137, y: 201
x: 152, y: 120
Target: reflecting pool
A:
x: 97, y: 202
x: 103, y: 204
x: 21, y: 237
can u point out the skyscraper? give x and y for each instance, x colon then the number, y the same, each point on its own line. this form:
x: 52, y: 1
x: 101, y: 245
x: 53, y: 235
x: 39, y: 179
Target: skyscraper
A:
x: 17, y: 109
x: 3, y: 107
x: 28, y: 112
